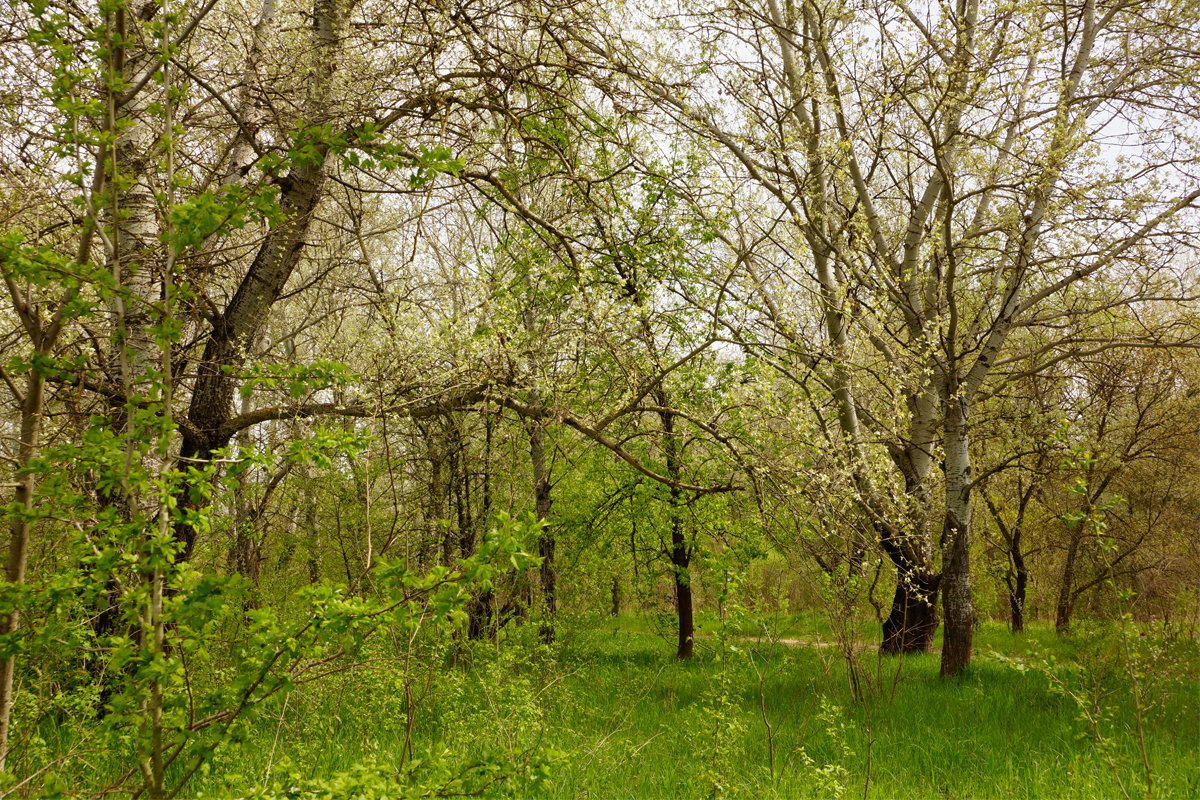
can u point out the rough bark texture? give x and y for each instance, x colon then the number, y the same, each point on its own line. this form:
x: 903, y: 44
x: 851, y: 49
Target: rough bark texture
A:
x: 137, y: 258
x: 913, y: 620
x: 1017, y: 590
x: 956, y: 558
x: 680, y: 560
x: 245, y: 556
x: 233, y: 332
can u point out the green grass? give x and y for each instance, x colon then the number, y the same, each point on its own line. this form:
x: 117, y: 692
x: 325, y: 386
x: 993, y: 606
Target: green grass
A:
x: 620, y: 718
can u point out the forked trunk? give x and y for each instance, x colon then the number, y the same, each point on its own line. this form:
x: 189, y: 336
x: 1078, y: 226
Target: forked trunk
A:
x: 216, y: 373
x: 913, y: 619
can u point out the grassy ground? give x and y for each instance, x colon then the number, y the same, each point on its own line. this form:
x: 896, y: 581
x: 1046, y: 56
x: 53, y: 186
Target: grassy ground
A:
x: 616, y: 716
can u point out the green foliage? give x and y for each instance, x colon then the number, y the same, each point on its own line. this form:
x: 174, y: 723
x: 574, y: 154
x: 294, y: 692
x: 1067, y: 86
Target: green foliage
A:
x: 85, y: 287
x: 297, y: 379
x: 224, y: 209
x: 220, y: 661
x: 427, y: 777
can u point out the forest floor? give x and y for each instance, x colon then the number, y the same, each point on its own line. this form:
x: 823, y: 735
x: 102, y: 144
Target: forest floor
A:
x: 608, y: 712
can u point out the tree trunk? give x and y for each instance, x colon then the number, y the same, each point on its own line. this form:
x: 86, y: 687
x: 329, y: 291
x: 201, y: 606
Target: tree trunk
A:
x: 616, y: 596
x: 480, y: 612
x: 956, y: 559
x: 312, y: 531
x: 913, y: 621
x: 136, y: 255
x: 244, y: 556
x: 210, y: 410
x: 1066, y: 588
x: 481, y: 609
x: 1016, y: 578
x: 1016, y: 594
x: 542, y: 502
x: 18, y: 542
x: 680, y: 552
x: 680, y: 560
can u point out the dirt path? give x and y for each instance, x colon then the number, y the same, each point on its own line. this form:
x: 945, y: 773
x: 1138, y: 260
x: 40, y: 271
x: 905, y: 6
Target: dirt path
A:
x: 820, y: 644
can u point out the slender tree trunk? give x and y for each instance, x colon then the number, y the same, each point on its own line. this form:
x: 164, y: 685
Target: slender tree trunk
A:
x: 956, y: 560
x: 433, y: 507
x: 680, y: 561
x: 1016, y: 597
x: 542, y: 502
x: 18, y: 542
x: 481, y: 609
x: 1018, y: 586
x: 314, y: 534
x: 1066, y: 587
x: 244, y: 554
x: 136, y: 259
x: 681, y: 555
x: 1016, y: 578
x: 616, y: 596
x: 448, y: 543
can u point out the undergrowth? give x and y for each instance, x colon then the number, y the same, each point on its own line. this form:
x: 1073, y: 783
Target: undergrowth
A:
x: 606, y: 712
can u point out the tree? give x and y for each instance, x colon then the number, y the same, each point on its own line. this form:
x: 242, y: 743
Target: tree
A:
x: 922, y: 182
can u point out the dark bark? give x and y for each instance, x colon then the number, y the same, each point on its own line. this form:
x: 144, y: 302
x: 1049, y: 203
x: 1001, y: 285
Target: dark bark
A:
x: 680, y: 560
x: 681, y: 555
x: 235, y: 330
x: 480, y: 613
x: 1017, y: 590
x: 481, y: 609
x: 956, y: 600
x: 1016, y: 578
x: 314, y: 536
x: 616, y: 596
x: 1066, y: 587
x: 546, y: 547
x: 913, y: 620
